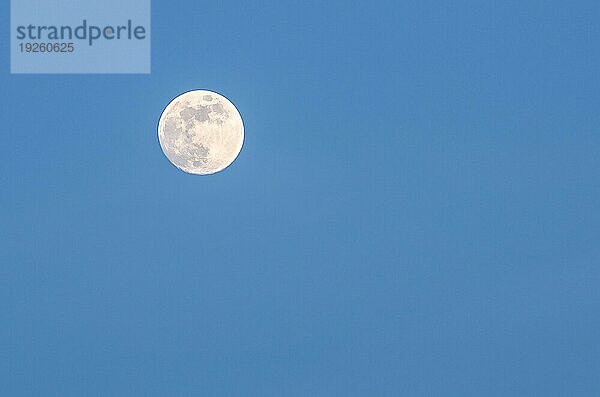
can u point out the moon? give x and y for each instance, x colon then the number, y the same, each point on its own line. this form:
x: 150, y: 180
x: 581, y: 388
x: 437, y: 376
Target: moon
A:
x: 201, y: 132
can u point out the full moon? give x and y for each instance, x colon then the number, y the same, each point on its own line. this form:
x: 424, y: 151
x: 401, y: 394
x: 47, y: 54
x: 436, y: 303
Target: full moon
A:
x: 201, y: 132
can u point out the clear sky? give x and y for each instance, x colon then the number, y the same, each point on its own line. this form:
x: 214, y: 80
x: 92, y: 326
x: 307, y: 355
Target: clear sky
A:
x: 414, y: 212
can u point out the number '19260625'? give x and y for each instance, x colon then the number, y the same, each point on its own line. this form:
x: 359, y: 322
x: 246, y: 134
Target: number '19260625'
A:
x: 46, y: 47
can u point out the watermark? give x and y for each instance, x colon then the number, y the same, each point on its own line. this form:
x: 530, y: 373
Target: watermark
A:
x: 80, y: 36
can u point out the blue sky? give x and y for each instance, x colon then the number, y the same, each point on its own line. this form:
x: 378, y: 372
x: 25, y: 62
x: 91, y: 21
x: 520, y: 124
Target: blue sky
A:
x: 414, y: 211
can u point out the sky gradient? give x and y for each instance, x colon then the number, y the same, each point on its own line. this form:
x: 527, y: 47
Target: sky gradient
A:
x: 414, y: 211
